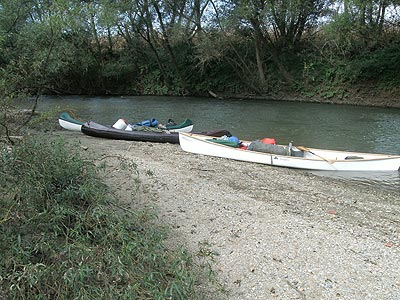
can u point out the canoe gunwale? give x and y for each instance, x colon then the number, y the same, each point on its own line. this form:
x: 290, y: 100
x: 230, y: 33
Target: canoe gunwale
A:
x: 314, y: 163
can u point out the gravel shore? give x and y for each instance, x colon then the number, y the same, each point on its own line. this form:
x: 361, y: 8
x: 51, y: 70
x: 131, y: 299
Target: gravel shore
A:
x: 268, y: 232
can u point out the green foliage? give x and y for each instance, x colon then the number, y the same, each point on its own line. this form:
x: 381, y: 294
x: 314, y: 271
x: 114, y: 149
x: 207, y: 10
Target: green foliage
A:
x: 60, y: 239
x: 153, y: 84
x: 379, y: 65
x: 248, y: 47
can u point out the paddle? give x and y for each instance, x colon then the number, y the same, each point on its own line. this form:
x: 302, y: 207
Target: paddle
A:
x: 302, y: 148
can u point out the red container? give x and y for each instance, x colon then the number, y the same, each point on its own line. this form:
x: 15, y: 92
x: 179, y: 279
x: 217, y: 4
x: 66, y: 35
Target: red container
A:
x: 270, y: 141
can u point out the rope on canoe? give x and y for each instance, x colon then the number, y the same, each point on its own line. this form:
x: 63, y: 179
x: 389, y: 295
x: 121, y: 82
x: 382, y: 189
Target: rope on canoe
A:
x: 71, y: 112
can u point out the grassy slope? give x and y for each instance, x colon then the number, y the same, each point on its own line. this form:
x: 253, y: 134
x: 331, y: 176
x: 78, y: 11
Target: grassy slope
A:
x: 61, y: 238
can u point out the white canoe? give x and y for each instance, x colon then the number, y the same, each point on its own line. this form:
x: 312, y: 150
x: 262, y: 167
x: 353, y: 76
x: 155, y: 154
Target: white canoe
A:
x: 185, y: 126
x: 312, y: 159
x: 69, y: 123
x: 183, y: 129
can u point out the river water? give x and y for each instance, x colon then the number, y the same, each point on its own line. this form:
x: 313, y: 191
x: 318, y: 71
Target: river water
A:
x: 341, y: 127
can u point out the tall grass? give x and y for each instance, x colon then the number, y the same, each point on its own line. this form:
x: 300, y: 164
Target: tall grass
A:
x: 60, y: 239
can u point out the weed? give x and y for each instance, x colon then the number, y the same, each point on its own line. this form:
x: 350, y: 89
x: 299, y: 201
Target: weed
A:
x: 60, y: 239
x: 206, y: 259
x: 149, y: 173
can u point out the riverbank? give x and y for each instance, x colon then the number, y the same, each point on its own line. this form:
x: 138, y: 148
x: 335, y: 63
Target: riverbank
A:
x: 361, y: 98
x: 389, y: 100
x: 269, y: 233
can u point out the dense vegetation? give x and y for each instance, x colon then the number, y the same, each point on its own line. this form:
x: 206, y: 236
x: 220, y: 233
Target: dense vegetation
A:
x: 61, y: 239
x: 319, y: 48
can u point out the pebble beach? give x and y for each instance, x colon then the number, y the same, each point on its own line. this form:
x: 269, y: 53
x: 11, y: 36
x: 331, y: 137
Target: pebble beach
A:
x: 263, y: 232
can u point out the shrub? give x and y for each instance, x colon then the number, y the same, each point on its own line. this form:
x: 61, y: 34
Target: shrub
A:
x: 61, y: 239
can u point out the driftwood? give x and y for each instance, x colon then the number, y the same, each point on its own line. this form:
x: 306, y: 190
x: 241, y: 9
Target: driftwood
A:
x: 215, y: 95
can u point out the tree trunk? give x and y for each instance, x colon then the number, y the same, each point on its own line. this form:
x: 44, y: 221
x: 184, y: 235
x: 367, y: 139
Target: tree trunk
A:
x: 381, y: 15
x: 168, y: 47
x: 258, y: 37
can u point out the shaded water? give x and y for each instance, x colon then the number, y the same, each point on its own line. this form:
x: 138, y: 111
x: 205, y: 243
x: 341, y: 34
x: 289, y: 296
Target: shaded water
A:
x: 341, y: 127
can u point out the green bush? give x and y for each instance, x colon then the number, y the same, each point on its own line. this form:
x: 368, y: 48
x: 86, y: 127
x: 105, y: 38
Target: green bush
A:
x: 61, y: 239
x: 381, y: 64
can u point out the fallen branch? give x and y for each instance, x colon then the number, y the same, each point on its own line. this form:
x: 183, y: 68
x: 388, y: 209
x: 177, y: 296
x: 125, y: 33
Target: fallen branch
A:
x: 7, y: 136
x: 215, y: 95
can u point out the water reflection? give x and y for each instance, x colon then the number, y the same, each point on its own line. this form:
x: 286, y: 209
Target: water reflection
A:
x: 381, y: 180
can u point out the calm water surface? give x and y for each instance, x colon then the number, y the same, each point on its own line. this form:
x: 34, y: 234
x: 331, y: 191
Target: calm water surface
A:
x: 342, y: 127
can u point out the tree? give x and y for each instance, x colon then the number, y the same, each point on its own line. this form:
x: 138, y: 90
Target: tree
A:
x: 276, y: 26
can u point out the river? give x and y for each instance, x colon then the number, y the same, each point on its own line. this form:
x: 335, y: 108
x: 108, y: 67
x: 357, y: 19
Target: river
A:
x: 341, y: 127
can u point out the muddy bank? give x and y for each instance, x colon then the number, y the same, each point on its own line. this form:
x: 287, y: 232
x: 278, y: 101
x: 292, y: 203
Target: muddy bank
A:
x: 269, y: 233
x: 389, y: 101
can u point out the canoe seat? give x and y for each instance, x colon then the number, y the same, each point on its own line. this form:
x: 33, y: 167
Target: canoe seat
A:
x: 224, y: 142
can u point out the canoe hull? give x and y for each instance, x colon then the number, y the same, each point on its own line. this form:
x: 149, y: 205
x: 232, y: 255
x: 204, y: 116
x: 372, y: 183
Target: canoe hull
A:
x: 66, y: 121
x: 314, y: 159
x: 183, y: 129
x: 185, y: 126
x: 69, y: 123
x: 92, y: 128
x: 97, y: 130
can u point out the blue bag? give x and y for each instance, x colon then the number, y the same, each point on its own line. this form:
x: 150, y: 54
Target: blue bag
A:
x: 149, y: 123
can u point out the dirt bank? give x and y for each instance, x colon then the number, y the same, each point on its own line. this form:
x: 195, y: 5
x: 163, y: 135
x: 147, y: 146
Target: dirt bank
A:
x: 272, y: 233
x: 361, y: 99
